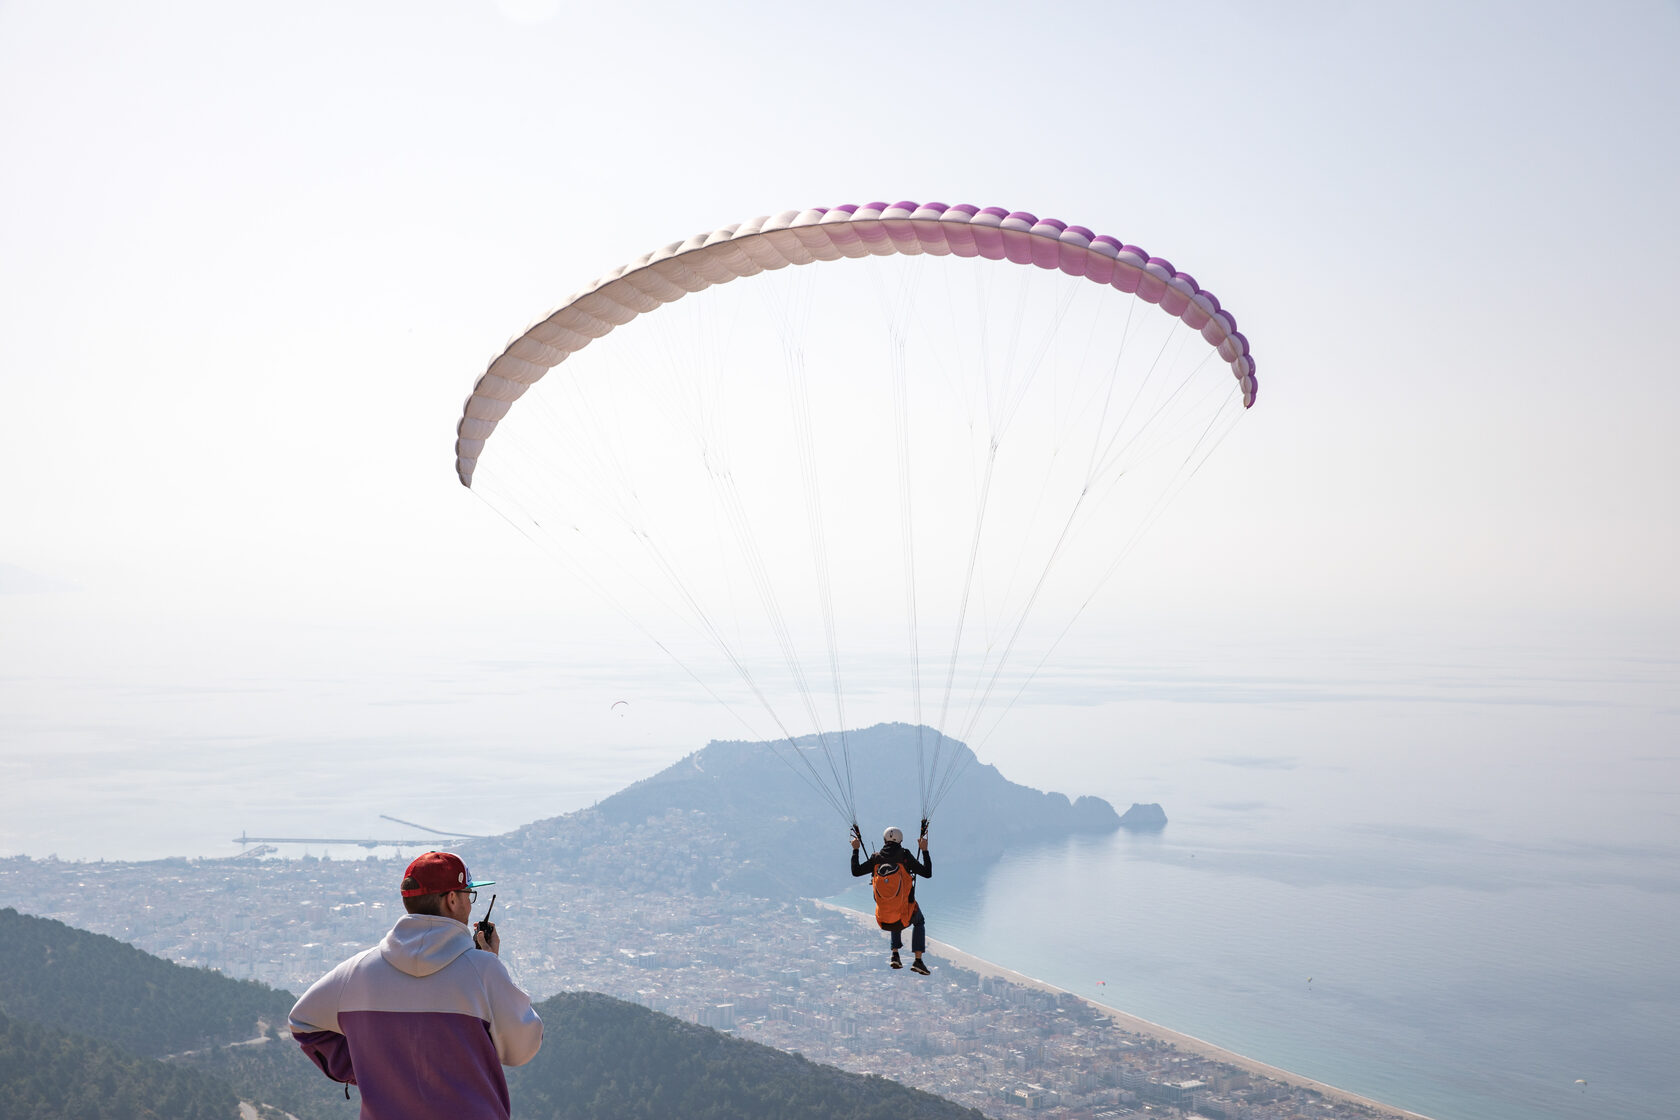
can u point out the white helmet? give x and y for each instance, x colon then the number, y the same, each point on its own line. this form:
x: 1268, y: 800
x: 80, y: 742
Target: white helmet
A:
x: 893, y: 836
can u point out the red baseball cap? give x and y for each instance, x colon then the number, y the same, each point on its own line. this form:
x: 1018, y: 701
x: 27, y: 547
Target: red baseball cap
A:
x: 439, y: 873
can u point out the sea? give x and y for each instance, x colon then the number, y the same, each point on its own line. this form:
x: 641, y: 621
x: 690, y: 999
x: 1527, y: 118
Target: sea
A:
x: 1494, y: 986
x: 1444, y: 877
x: 1448, y: 884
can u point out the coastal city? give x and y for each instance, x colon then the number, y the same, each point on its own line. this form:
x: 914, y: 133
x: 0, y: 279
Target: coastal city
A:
x: 798, y: 975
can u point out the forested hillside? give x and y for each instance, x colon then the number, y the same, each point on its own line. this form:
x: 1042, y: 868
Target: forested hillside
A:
x: 90, y: 1015
x: 47, y: 1074
x: 97, y: 986
x: 604, y: 1059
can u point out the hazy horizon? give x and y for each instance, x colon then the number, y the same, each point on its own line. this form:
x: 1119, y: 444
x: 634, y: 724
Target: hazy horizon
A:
x: 1379, y: 734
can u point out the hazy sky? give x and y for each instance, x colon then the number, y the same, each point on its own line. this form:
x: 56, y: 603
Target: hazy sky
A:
x: 252, y: 260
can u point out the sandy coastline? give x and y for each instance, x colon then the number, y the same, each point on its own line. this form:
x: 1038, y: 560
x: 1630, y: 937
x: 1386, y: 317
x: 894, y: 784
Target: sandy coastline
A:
x: 1135, y: 1025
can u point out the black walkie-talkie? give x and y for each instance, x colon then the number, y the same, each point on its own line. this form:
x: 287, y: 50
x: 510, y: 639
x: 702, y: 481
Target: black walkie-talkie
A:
x: 484, y: 925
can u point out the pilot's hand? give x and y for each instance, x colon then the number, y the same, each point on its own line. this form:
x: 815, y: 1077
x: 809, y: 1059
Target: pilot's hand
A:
x: 856, y: 843
x: 921, y: 843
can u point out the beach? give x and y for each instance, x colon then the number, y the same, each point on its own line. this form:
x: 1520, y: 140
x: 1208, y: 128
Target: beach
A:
x: 1132, y: 1024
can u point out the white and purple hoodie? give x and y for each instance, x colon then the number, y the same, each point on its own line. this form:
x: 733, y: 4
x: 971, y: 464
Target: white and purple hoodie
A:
x: 422, y: 1023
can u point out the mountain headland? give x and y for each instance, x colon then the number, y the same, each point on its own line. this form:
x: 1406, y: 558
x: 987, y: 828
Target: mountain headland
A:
x: 773, y: 836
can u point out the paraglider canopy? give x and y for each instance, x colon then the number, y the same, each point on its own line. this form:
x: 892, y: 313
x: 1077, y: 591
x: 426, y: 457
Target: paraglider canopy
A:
x: 797, y: 237
x: 891, y: 482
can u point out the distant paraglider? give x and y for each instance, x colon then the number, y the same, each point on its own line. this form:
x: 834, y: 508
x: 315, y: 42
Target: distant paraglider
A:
x: 619, y: 707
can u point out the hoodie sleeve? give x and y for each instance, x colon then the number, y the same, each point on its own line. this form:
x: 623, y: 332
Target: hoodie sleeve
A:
x: 314, y: 1027
x: 515, y: 1026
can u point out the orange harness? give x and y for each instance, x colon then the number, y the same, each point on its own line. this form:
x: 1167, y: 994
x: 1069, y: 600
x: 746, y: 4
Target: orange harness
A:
x: 894, y: 908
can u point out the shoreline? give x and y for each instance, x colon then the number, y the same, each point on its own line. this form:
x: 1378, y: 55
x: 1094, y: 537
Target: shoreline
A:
x: 1135, y: 1025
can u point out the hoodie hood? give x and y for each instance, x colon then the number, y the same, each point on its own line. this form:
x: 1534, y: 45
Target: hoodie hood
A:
x: 421, y: 944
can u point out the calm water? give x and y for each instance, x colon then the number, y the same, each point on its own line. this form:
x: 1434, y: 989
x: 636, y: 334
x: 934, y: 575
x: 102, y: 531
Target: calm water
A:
x: 1464, y: 984
x: 1451, y: 884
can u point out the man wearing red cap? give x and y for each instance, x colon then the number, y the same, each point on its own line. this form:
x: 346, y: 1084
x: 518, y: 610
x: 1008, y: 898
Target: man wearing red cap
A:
x: 424, y: 1021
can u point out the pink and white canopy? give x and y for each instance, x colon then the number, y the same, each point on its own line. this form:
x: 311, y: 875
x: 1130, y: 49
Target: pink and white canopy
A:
x: 807, y: 236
